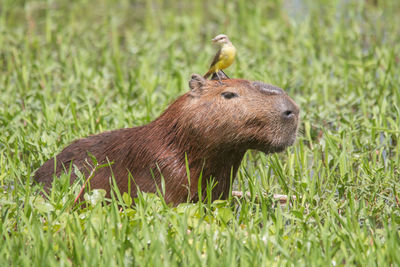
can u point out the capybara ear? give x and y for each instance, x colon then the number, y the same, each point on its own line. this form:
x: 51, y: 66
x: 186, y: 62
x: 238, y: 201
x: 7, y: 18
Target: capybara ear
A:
x: 196, y: 83
x: 267, y: 88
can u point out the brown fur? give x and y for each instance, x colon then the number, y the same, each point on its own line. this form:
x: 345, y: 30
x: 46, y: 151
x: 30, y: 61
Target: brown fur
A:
x: 213, y: 131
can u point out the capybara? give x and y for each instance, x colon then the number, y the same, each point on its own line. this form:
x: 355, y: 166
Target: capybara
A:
x: 210, y: 127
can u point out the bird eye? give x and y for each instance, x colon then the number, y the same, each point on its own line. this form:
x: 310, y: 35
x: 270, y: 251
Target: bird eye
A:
x: 229, y: 95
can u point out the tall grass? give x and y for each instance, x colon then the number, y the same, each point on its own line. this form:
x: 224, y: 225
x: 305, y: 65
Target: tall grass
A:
x: 73, y: 68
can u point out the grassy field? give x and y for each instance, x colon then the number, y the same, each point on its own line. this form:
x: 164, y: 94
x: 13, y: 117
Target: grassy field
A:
x: 73, y: 68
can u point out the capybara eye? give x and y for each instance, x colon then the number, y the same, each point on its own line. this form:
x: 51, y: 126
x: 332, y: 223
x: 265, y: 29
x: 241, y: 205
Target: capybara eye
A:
x: 229, y: 95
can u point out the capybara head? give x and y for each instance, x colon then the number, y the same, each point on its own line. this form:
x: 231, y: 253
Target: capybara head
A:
x: 241, y: 113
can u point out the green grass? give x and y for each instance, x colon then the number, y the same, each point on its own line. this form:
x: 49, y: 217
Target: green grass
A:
x: 73, y: 68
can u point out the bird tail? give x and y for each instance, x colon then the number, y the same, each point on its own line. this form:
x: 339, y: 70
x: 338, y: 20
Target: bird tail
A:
x: 208, y: 74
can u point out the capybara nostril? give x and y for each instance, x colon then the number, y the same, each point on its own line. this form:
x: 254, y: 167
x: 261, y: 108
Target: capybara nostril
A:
x: 288, y: 114
x: 289, y: 109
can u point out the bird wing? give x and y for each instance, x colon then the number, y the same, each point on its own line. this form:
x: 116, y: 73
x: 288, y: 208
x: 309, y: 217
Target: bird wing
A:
x: 216, y: 57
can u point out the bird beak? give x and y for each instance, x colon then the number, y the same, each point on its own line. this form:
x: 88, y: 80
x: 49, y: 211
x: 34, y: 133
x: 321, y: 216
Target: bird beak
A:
x: 214, y: 40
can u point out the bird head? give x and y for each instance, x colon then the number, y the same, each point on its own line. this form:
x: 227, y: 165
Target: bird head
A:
x: 221, y: 39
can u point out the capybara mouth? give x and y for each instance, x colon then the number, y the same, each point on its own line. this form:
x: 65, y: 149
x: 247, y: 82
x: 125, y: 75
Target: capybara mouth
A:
x: 282, y: 147
x: 276, y: 148
x: 281, y: 144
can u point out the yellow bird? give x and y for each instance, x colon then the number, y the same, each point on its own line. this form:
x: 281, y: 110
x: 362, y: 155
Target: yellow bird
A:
x: 223, y: 58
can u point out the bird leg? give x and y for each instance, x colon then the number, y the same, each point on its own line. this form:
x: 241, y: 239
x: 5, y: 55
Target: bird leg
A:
x: 225, y: 74
x: 220, y: 75
x: 219, y: 78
